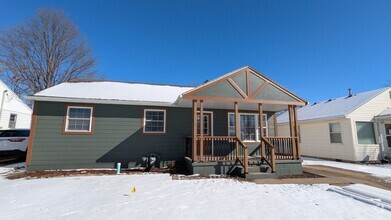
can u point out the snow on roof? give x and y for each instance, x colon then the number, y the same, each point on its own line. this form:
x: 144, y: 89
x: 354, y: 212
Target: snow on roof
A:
x: 385, y: 112
x: 120, y: 91
x: 333, y: 107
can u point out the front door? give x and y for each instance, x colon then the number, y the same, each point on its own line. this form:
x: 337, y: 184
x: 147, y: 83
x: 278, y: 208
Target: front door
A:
x: 208, y: 144
x: 388, y: 134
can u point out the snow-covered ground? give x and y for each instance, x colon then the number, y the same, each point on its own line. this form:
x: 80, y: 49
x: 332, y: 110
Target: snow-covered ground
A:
x: 12, y: 167
x: 157, y: 196
x: 383, y: 170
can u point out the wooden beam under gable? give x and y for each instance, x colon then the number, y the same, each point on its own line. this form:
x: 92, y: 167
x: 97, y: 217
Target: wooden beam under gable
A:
x: 241, y: 95
x: 237, y: 88
x: 262, y: 87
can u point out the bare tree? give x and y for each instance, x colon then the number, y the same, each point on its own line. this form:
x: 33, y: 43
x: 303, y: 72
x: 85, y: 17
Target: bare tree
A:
x: 47, y: 50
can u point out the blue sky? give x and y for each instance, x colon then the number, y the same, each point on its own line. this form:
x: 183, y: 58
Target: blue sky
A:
x: 317, y: 49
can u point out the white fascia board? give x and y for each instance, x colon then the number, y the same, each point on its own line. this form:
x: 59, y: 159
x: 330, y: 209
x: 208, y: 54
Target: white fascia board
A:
x: 100, y: 101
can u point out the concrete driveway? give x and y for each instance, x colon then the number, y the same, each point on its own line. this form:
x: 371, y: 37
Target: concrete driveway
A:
x: 333, y: 176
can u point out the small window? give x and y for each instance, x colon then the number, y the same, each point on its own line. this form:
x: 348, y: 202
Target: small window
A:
x: 365, y: 133
x: 335, y: 132
x: 207, y: 125
x: 154, y: 121
x: 12, y: 122
x: 79, y: 119
x: 231, y: 125
x: 264, y: 120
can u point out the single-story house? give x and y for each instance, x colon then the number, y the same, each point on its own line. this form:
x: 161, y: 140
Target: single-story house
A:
x: 98, y: 124
x: 356, y: 127
x: 14, y: 113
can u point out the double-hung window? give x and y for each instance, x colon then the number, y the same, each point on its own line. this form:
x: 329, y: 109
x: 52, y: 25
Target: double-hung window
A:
x: 248, y: 126
x: 335, y: 132
x: 79, y: 119
x: 154, y: 121
x: 12, y: 122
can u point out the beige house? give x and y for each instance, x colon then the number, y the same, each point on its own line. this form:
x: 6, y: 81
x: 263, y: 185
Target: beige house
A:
x: 351, y: 128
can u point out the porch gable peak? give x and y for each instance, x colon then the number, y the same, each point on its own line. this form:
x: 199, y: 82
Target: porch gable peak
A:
x: 244, y: 85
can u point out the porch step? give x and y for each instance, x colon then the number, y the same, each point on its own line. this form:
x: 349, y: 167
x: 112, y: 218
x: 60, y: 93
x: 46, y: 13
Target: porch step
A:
x: 260, y: 175
x: 259, y: 168
x: 256, y: 162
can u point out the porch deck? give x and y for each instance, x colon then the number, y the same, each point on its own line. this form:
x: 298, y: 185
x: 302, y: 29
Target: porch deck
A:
x: 233, y: 153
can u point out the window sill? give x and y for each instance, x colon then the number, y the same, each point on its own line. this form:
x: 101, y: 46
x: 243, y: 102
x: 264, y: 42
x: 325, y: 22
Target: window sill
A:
x: 78, y: 132
x: 367, y: 145
x: 154, y: 133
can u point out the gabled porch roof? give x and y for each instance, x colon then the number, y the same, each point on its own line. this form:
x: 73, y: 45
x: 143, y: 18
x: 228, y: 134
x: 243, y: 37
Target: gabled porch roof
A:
x: 246, y: 86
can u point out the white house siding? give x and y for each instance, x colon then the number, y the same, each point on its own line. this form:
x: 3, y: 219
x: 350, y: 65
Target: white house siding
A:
x: 372, y: 108
x: 13, y: 105
x: 23, y: 120
x: 315, y: 139
x: 366, y: 113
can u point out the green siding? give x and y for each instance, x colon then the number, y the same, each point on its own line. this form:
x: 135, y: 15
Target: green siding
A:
x: 117, y: 137
x: 270, y: 92
x: 241, y: 81
x: 223, y: 89
x: 255, y: 83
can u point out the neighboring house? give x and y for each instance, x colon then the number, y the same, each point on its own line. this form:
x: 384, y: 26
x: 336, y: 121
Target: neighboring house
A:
x: 98, y: 124
x: 14, y: 113
x: 352, y: 128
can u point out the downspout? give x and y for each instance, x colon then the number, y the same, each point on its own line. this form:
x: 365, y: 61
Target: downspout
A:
x: 2, y: 104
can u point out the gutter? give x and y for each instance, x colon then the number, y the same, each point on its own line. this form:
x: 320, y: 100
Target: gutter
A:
x: 100, y: 101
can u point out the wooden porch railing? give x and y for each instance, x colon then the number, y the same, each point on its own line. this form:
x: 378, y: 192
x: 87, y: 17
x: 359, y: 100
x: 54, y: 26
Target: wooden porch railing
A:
x: 218, y: 148
x: 279, y: 148
x: 269, y: 154
x: 225, y: 148
x: 242, y: 155
x: 285, y: 147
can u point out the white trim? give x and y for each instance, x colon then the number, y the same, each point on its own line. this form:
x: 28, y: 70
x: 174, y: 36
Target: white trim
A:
x: 257, y: 133
x: 67, y: 118
x: 164, y: 121
x: 211, y: 121
x: 375, y: 134
x: 100, y: 101
x: 340, y: 128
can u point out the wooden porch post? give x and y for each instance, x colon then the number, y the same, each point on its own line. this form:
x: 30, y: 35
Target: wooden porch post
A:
x: 202, y: 130
x: 194, y: 139
x: 297, y: 132
x: 237, y: 127
x: 260, y: 111
x: 292, y: 130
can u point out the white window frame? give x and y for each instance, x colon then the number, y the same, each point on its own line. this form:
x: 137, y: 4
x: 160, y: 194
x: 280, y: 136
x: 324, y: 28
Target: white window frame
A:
x: 340, y: 127
x: 257, y: 127
x: 14, y: 121
x: 67, y: 119
x: 374, y: 134
x: 164, y: 121
x: 210, y: 120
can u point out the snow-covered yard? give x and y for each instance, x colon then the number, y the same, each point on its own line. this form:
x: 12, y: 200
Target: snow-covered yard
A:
x: 381, y: 170
x: 157, y: 196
